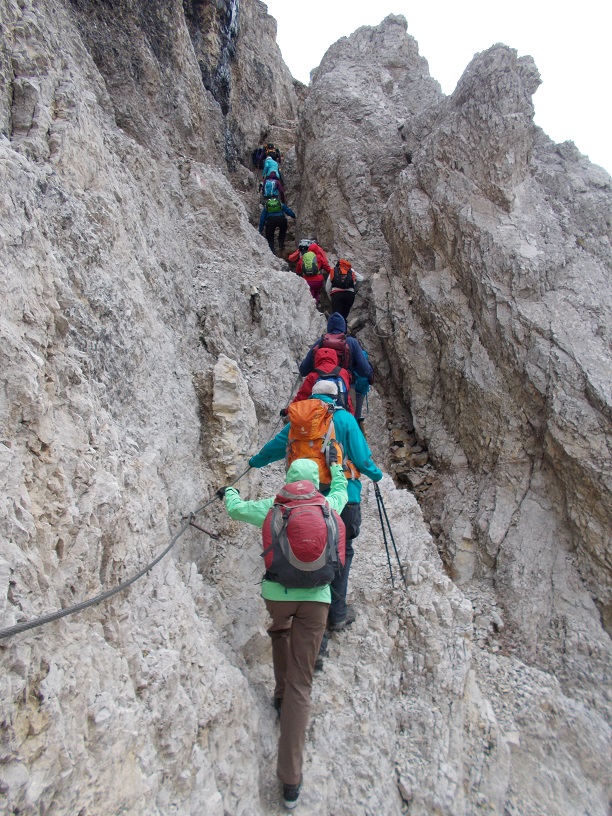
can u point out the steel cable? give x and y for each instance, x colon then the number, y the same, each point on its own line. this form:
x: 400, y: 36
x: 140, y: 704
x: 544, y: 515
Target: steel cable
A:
x: 103, y: 596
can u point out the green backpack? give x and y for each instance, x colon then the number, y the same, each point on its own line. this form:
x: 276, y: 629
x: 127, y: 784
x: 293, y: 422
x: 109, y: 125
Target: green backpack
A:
x: 273, y: 206
x: 309, y: 264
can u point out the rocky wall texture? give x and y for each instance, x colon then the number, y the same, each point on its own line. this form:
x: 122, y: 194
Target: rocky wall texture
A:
x: 148, y: 338
x: 487, y: 297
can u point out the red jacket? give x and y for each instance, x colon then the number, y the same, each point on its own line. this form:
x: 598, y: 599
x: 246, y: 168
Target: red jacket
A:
x: 322, y: 261
x: 326, y: 360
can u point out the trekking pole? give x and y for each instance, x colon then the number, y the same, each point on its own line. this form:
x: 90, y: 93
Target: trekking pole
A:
x: 384, y: 510
x: 382, y: 525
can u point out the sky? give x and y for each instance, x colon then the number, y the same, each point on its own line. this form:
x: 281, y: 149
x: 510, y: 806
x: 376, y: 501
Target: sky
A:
x: 570, y: 43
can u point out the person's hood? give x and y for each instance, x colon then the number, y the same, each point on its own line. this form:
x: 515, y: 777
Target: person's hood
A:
x: 336, y: 324
x: 303, y: 470
x: 325, y: 355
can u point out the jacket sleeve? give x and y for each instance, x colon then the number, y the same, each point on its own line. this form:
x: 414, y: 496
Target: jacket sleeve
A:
x: 253, y: 512
x: 305, y: 389
x: 337, y: 496
x: 262, y: 219
x: 288, y: 211
x: 322, y: 259
x: 360, y: 362
x: 273, y: 450
x: 357, y: 449
x: 307, y: 364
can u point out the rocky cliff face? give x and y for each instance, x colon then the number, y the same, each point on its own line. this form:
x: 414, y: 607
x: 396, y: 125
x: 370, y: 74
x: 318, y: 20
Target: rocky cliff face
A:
x: 147, y: 339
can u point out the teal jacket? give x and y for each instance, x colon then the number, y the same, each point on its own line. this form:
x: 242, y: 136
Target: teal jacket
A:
x: 255, y: 512
x: 348, y: 433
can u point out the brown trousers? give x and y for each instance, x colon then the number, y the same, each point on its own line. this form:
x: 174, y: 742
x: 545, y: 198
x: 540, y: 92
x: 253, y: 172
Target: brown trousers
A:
x: 296, y: 630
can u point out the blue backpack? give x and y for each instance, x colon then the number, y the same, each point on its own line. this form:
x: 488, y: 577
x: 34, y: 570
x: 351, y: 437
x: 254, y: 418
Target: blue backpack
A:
x: 270, y: 188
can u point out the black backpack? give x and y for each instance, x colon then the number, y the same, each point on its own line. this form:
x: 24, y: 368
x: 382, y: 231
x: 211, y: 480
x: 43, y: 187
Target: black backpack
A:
x: 343, y: 276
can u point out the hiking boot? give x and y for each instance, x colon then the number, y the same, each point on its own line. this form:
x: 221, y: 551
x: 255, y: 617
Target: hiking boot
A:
x: 323, y: 652
x: 291, y: 795
x: 349, y: 618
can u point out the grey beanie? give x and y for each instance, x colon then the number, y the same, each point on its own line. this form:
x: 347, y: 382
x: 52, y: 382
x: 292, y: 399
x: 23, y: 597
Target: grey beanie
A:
x: 327, y: 387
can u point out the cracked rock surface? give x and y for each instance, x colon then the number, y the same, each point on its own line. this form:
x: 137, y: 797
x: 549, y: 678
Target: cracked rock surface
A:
x: 148, y: 338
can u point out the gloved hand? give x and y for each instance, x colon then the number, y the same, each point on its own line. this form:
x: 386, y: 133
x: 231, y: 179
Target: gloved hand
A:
x: 283, y: 412
x: 371, y: 378
x: 333, y: 455
x: 221, y: 493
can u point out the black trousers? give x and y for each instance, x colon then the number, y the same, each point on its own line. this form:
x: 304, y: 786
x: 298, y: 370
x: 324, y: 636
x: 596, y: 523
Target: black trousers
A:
x: 274, y: 222
x: 351, y: 516
x: 341, y: 302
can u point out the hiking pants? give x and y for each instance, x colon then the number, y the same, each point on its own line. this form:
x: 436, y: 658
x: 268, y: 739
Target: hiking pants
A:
x: 342, y: 301
x: 351, y: 516
x: 272, y: 223
x: 296, y: 630
x: 315, y: 282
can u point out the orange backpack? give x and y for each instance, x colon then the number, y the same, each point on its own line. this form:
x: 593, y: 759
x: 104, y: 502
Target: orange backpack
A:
x: 311, y: 435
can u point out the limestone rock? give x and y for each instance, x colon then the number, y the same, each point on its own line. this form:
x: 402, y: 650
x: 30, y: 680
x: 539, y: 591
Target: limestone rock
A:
x: 148, y: 339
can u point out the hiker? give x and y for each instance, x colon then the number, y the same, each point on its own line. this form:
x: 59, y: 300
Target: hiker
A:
x: 326, y: 367
x: 341, y: 286
x: 299, y: 610
x: 356, y: 450
x: 258, y: 157
x: 362, y: 387
x: 272, y: 152
x: 310, y: 245
x: 271, y: 166
x: 311, y: 263
x: 272, y: 186
x: 350, y: 354
x: 273, y: 217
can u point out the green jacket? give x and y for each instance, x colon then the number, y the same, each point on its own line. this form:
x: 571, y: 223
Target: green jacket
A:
x: 348, y: 433
x: 255, y: 512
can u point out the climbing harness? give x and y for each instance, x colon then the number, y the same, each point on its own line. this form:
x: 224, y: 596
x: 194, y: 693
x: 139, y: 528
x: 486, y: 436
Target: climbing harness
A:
x: 382, y: 511
x: 188, y: 521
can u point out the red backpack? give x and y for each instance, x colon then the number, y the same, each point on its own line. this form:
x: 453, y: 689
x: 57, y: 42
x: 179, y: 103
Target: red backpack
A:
x: 304, y: 540
x: 339, y: 344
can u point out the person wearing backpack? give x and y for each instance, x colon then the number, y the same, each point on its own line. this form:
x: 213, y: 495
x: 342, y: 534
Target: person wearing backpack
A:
x: 310, y: 263
x: 271, y: 166
x: 341, y: 286
x: 298, y: 608
x: 271, y: 187
x: 349, y: 353
x: 273, y: 152
x: 347, y: 432
x: 273, y: 217
x: 326, y: 367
